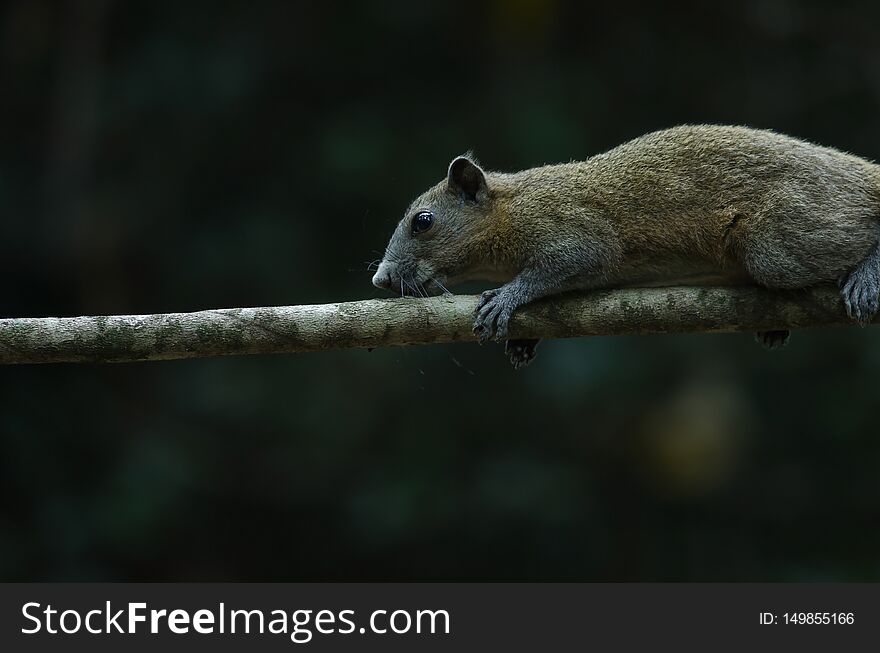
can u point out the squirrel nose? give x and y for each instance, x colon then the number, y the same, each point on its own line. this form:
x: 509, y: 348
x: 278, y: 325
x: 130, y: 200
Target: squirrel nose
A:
x: 382, y: 280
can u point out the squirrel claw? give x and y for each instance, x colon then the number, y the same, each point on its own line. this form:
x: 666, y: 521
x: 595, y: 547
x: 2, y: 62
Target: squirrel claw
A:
x: 482, y: 333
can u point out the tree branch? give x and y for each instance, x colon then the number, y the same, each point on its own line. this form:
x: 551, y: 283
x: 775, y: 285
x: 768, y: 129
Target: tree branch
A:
x: 407, y: 321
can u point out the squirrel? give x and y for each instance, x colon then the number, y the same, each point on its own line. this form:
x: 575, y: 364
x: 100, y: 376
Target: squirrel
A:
x: 694, y: 204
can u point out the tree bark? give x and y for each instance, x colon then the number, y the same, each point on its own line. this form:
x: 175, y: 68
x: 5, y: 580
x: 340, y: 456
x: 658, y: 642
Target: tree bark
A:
x: 408, y: 321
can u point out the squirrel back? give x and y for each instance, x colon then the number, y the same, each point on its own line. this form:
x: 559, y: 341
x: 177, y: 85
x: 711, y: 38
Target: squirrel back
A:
x: 699, y: 197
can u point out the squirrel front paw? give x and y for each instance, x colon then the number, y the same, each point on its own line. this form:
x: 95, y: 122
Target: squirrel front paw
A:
x: 492, y: 315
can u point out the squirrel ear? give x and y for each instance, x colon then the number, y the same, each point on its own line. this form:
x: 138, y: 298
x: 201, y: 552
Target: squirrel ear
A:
x: 467, y: 178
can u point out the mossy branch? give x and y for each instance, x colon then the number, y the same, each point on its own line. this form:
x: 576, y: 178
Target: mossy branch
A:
x: 394, y: 322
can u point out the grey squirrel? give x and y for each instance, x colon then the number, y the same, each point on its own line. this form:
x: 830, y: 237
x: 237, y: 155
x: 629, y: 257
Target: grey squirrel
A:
x: 701, y: 204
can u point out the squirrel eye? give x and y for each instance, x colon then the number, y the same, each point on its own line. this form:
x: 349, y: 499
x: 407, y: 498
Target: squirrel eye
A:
x: 421, y: 222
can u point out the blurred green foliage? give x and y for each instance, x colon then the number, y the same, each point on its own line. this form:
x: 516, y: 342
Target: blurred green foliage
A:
x: 176, y: 156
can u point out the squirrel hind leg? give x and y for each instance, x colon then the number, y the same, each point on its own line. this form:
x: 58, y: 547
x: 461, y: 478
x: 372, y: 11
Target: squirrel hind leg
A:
x: 772, y: 339
x: 860, y: 289
x: 520, y: 352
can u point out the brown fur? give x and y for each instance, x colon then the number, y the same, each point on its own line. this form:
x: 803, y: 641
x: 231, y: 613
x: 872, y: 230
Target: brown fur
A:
x: 699, y: 200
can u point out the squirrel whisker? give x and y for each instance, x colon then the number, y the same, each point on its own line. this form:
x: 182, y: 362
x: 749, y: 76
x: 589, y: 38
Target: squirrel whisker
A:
x: 445, y: 290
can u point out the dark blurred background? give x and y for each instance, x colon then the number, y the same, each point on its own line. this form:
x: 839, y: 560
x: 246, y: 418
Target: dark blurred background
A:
x: 170, y: 156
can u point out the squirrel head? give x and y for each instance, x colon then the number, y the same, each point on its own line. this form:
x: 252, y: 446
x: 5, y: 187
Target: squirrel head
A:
x: 437, y: 241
